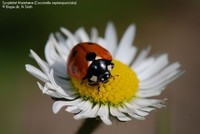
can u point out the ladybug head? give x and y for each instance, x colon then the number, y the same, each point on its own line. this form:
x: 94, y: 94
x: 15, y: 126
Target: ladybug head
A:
x: 104, y: 77
x: 99, y: 71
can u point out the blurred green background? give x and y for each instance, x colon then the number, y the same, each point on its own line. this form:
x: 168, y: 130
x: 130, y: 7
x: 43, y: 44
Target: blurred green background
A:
x: 167, y: 25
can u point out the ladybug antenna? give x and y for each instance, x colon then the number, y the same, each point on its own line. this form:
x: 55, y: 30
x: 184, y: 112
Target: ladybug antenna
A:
x: 91, y: 56
x: 98, y: 88
x: 113, y: 76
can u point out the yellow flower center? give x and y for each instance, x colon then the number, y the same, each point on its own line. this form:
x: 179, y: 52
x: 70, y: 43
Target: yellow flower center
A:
x: 119, y: 89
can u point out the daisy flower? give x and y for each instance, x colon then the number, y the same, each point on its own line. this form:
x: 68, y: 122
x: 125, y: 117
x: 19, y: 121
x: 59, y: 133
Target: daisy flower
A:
x: 128, y: 95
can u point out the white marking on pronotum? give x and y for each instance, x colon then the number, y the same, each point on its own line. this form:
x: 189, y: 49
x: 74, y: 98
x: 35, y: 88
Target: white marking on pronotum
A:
x: 97, y: 58
x: 93, y: 78
x: 109, y: 67
x: 89, y: 63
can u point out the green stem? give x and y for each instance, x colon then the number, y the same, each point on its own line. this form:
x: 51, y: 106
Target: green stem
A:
x: 88, y: 126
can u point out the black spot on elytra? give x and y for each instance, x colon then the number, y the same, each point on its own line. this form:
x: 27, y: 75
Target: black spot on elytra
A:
x: 90, y: 43
x: 74, y: 53
x: 73, y: 70
x: 90, y: 56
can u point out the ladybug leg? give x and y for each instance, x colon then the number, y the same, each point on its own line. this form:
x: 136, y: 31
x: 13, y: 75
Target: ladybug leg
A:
x: 113, y: 76
x: 81, y: 81
x: 112, y: 65
x: 91, y: 83
x: 98, y: 88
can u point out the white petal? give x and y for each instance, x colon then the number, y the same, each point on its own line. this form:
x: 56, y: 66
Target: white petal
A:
x: 60, y: 37
x: 70, y: 36
x: 69, y: 44
x: 63, y: 93
x: 85, y: 106
x: 101, y: 42
x: 126, y: 55
x: 46, y: 90
x: 159, y: 64
x: 115, y: 112
x: 125, y: 51
x: 60, y: 69
x: 36, y: 72
x: 73, y: 109
x: 50, y: 90
x: 75, y: 102
x: 104, y: 114
x: 142, y: 55
x: 52, y: 79
x: 141, y: 113
x: 60, y: 93
x: 106, y: 120
x: 86, y: 110
x: 90, y: 113
x: 58, y: 105
x: 163, y: 81
x: 169, y: 70
x: 130, y: 112
x: 128, y: 36
x: 43, y: 89
x: 147, y: 109
x: 136, y: 116
x: 40, y: 62
x: 148, y: 102
x: 94, y: 34
x: 122, y: 109
x: 65, y: 85
x: 111, y: 37
x: 79, y: 115
x: 64, y: 48
x: 143, y: 66
x: 137, y: 111
x: 62, y: 52
x: 51, y: 54
x: 94, y: 110
x: 82, y: 35
x: 149, y: 93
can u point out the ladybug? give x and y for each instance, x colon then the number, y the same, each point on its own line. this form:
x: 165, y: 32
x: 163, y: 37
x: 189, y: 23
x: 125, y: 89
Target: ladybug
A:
x: 89, y: 61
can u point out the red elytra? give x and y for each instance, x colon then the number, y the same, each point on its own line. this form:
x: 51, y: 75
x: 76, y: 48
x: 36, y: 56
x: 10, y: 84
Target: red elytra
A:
x: 78, y: 64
